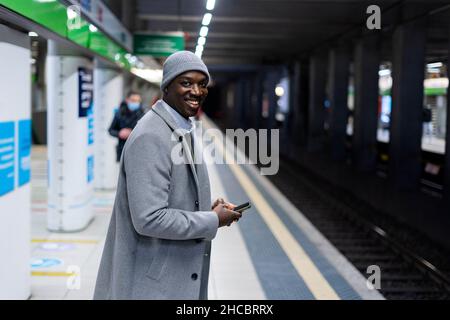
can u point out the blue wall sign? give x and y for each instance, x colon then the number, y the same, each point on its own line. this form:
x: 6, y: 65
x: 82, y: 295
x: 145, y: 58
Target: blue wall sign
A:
x: 90, y: 121
x: 7, y: 157
x: 85, y: 91
x: 24, y: 151
x: 90, y: 168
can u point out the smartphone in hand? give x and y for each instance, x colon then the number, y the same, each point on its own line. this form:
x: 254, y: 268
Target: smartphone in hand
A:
x: 240, y: 208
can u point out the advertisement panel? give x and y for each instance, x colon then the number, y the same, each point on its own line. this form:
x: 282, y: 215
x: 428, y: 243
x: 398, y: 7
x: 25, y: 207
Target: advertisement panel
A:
x: 7, y: 157
x: 24, y: 151
x: 85, y: 91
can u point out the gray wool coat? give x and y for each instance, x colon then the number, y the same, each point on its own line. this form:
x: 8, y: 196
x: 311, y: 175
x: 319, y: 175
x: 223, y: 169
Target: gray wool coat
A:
x: 159, y: 238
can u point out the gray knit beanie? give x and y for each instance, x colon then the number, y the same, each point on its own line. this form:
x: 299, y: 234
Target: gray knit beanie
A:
x: 181, y: 62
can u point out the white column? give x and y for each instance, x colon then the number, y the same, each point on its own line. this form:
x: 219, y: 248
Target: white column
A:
x: 70, y: 141
x: 108, y: 93
x: 15, y: 145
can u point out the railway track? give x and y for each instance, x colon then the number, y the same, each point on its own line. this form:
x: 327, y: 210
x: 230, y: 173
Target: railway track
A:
x: 404, y: 273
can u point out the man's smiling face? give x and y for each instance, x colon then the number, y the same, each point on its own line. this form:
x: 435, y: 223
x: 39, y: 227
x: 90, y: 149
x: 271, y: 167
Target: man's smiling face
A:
x: 187, y: 92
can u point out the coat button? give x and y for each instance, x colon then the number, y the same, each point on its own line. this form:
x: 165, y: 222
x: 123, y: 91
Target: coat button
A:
x: 196, y: 202
x: 194, y: 276
x: 180, y: 138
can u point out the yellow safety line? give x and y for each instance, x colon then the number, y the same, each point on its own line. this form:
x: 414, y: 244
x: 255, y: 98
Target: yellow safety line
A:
x: 66, y: 241
x: 313, y: 278
x: 52, y: 274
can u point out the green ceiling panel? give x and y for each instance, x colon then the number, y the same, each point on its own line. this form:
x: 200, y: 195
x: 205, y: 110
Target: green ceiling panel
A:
x: 53, y: 16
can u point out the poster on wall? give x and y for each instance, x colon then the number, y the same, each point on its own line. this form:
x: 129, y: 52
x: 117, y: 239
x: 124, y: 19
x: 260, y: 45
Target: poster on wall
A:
x: 24, y: 151
x: 85, y: 91
x: 7, y: 157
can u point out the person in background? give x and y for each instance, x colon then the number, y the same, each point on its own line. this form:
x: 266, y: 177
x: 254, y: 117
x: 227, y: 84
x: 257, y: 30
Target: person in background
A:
x: 125, y: 119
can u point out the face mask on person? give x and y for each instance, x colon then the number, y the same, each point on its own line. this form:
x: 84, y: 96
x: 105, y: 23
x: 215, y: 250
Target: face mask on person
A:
x: 133, y: 106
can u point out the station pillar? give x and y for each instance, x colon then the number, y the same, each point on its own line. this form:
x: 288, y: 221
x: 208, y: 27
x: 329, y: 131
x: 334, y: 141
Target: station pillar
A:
x: 108, y: 93
x: 70, y: 131
x: 271, y: 80
x: 240, y: 105
x: 15, y: 147
x: 447, y: 138
x: 258, y: 86
x: 294, y: 117
x: 303, y: 100
x: 339, y: 76
x: 407, y: 105
x: 316, y: 112
x: 247, y: 110
x: 365, y: 118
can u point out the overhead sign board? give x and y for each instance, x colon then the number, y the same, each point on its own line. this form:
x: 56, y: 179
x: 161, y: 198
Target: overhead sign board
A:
x: 101, y: 16
x: 158, y: 44
x: 54, y: 16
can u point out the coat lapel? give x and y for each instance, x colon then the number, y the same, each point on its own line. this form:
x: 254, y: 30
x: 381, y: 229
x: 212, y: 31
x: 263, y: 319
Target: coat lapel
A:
x: 188, y: 155
x: 159, y: 109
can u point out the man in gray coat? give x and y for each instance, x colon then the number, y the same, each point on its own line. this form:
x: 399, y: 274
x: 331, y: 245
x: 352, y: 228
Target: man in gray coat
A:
x: 159, y: 238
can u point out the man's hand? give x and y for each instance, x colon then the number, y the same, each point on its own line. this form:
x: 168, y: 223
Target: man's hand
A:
x: 226, y: 216
x: 124, y: 133
x: 227, y: 205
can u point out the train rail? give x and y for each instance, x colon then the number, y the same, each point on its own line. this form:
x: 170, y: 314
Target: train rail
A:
x: 405, y: 274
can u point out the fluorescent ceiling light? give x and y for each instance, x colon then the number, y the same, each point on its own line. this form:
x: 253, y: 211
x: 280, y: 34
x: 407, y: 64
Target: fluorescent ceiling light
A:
x: 206, y: 19
x: 32, y: 34
x: 210, y: 4
x: 436, y: 83
x: 279, y: 91
x: 92, y: 28
x: 199, y: 48
x: 151, y: 75
x: 384, y: 72
x: 434, y: 65
x: 201, y: 41
x: 203, y: 31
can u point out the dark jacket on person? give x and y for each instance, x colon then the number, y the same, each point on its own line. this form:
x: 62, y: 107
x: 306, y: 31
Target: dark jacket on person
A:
x: 124, y: 118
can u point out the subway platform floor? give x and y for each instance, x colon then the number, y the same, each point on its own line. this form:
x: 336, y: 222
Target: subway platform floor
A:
x: 273, y: 252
